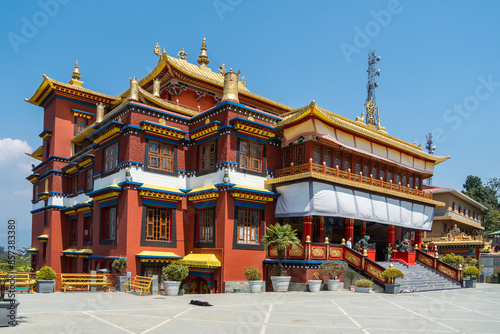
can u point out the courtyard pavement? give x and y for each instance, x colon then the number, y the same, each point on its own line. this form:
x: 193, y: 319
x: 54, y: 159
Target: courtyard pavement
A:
x: 452, y: 311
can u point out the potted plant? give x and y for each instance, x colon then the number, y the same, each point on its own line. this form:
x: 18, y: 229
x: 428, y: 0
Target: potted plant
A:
x: 45, y: 280
x: 281, y: 236
x: 315, y: 283
x: 391, y: 274
x: 388, y: 252
x: 350, y: 275
x: 253, y: 275
x: 494, y: 278
x: 173, y: 274
x: 332, y: 270
x: 363, y: 285
x: 470, y: 277
x: 121, y: 280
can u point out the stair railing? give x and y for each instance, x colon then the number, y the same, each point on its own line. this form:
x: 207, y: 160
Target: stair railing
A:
x: 364, y: 265
x: 434, y: 263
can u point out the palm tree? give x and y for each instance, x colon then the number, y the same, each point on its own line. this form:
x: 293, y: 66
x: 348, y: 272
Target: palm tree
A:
x: 282, y: 236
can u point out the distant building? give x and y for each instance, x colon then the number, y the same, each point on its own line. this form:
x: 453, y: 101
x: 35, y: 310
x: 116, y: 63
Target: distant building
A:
x: 188, y: 165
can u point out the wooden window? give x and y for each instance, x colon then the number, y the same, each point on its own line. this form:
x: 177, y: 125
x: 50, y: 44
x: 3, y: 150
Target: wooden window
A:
x: 250, y: 155
x: 87, y: 229
x: 44, y: 252
x: 338, y: 160
x: 207, y: 156
x: 72, y: 232
x: 300, y: 155
x: 206, y: 219
x: 459, y: 208
x: 328, y: 157
x: 158, y: 224
x: 318, y: 154
x: 81, y: 124
x: 347, y: 162
x: 453, y: 206
x: 417, y: 182
x: 374, y: 170
x: 357, y: 165
x: 89, y: 179
x: 108, y: 223
x: 366, y: 168
x: 404, y: 181
x: 74, y: 184
x: 287, y: 157
x: 382, y: 172
x: 248, y: 225
x: 412, y: 181
x: 398, y: 176
x: 161, y: 156
x: 110, y: 157
x: 390, y: 172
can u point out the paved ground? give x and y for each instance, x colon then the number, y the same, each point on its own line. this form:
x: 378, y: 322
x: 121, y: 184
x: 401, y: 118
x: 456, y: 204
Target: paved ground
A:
x: 454, y: 311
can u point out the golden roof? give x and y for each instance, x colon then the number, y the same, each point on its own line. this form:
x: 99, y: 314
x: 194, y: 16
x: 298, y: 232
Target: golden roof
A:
x: 357, y: 128
x: 37, y: 154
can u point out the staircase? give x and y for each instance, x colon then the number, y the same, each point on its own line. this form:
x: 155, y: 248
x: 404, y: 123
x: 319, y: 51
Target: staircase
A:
x: 420, y: 278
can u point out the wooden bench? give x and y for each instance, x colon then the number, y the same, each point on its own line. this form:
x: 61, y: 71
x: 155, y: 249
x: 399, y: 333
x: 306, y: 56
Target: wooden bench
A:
x: 84, y: 281
x: 140, y: 282
x: 23, y: 280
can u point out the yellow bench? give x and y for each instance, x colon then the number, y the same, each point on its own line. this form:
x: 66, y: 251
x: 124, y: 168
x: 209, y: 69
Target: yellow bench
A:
x: 84, y: 281
x: 140, y: 282
x: 23, y: 280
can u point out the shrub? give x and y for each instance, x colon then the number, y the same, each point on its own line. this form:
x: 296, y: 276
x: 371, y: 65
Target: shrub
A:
x: 332, y: 269
x: 316, y: 276
x: 471, y: 271
x: 453, y: 260
x: 494, y: 276
x: 273, y: 271
x: 175, y: 272
x: 252, y: 274
x: 46, y: 273
x: 350, y: 275
x: 363, y: 283
x: 120, y: 264
x: 392, y: 273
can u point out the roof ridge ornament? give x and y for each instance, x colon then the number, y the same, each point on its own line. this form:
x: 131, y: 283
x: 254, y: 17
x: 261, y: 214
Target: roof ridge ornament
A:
x: 182, y: 55
x: 75, y: 77
x: 157, y: 50
x: 203, y: 58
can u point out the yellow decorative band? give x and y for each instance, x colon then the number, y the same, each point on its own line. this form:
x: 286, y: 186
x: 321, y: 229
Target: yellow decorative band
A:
x: 85, y: 209
x: 205, y: 196
x: 86, y: 162
x: 70, y: 212
x: 79, y: 114
x: 206, y: 132
x: 158, y: 195
x: 254, y: 131
x: 46, y: 135
x: 72, y: 169
x: 110, y: 195
x: 251, y: 197
x: 43, y: 196
x: 33, y: 179
x: 163, y: 132
x: 156, y: 260
x: 107, y: 135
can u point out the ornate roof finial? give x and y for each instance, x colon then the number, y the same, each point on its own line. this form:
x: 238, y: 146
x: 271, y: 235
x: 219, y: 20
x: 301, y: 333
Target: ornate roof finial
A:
x: 203, y: 58
x: 222, y: 69
x: 243, y: 81
x: 157, y: 50
x: 182, y: 55
x: 75, y: 77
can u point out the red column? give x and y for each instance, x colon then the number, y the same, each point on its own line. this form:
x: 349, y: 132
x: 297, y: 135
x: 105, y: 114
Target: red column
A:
x: 307, y: 228
x: 349, y: 229
x: 391, y: 236
x: 418, y: 238
x: 321, y: 229
x: 362, y: 229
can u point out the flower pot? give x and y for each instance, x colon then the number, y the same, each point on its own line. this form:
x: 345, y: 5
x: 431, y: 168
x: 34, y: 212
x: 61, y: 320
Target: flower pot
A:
x: 392, y: 288
x: 495, y: 280
x: 314, y: 285
x: 255, y: 286
x: 469, y: 283
x: 45, y: 286
x: 280, y: 283
x: 171, y: 287
x: 332, y: 284
x: 8, y: 312
x: 121, y: 281
x: 363, y: 290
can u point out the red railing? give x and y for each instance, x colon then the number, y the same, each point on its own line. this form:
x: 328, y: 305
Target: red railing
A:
x: 364, y: 265
x: 335, y: 172
x: 431, y: 262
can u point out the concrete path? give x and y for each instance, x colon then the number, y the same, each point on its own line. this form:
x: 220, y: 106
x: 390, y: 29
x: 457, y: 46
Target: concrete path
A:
x: 449, y: 311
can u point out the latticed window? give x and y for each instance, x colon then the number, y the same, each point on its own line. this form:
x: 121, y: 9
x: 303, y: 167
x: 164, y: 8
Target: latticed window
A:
x: 89, y: 181
x: 108, y: 223
x: 338, y: 159
x: 207, y: 156
x: 248, y: 225
x: 161, y: 156
x: 287, y: 157
x: 158, y: 224
x: 81, y: 124
x: 87, y: 229
x: 206, y: 223
x: 110, y: 157
x: 300, y: 153
x: 317, y: 155
x: 347, y: 162
x: 250, y: 155
x: 328, y: 156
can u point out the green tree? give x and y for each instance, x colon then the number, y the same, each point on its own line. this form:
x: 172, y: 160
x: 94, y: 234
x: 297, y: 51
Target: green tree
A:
x: 282, y: 236
x: 487, y: 195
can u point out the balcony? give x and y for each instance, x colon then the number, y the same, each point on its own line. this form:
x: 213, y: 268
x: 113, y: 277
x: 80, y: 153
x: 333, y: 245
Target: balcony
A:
x: 449, y: 213
x: 336, y: 175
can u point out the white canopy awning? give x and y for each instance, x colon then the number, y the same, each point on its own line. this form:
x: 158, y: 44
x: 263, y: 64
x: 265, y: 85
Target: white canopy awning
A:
x: 312, y: 198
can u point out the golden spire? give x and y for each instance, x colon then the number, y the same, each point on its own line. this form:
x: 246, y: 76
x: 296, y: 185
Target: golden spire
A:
x: 203, y: 58
x: 75, y: 77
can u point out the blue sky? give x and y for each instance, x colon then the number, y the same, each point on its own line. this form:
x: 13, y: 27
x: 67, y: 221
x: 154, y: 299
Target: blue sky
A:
x: 439, y: 69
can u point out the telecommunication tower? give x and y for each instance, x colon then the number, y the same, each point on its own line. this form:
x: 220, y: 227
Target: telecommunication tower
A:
x: 370, y: 88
